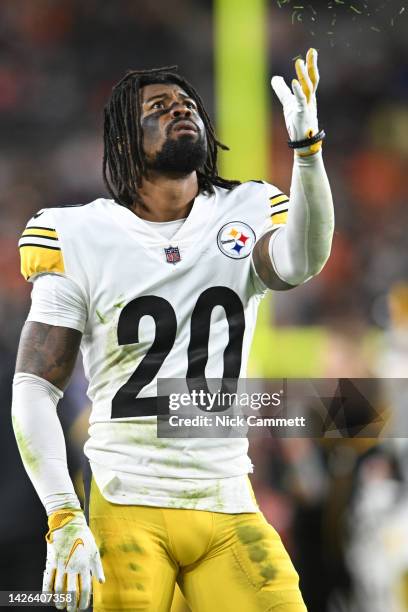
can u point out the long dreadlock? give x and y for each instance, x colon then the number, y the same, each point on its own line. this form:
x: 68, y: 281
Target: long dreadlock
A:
x: 124, y: 162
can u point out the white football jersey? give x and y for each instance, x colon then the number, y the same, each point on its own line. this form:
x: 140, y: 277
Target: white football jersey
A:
x: 160, y: 308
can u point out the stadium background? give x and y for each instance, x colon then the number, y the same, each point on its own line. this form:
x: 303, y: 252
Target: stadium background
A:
x: 58, y: 62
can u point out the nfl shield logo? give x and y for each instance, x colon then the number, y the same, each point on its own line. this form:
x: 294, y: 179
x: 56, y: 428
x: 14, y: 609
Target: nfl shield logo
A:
x: 172, y: 255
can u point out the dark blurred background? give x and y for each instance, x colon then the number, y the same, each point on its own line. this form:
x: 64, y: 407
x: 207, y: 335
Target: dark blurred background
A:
x: 58, y: 62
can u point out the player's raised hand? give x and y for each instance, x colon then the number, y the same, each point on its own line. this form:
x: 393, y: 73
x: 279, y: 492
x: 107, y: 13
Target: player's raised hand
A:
x: 72, y: 559
x: 299, y: 103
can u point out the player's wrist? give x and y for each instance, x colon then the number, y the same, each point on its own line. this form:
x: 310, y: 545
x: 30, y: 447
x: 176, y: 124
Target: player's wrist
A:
x: 308, y: 154
x: 310, y: 145
x: 60, y: 518
x: 302, y: 161
x: 61, y: 501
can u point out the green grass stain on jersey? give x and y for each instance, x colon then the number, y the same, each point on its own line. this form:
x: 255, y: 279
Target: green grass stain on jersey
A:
x: 121, y: 356
x: 105, y: 318
x: 30, y: 459
x: 101, y: 318
x: 171, y: 462
x: 160, y: 444
x: 195, y: 464
x: 144, y: 491
x: 116, y: 355
x: 191, y: 497
x: 219, y: 504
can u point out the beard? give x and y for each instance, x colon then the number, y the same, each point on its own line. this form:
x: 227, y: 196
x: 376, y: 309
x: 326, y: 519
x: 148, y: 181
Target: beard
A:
x: 181, y: 155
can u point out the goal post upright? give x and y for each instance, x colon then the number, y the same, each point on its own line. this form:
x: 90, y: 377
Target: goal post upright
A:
x: 241, y: 87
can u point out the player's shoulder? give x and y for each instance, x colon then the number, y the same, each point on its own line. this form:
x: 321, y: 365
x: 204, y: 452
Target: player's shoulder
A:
x: 40, y: 246
x: 66, y: 210
x: 254, y: 189
x: 68, y: 218
x: 41, y: 242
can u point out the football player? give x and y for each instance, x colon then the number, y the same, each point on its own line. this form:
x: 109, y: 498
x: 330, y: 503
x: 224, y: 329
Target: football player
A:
x: 163, y: 280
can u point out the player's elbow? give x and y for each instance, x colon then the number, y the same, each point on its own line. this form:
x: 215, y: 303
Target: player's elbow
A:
x: 316, y: 268
x: 319, y: 248
x: 301, y: 270
x: 319, y: 259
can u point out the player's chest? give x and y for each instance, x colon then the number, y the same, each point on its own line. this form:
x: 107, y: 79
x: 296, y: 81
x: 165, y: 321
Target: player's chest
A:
x: 178, y: 272
x: 210, y: 250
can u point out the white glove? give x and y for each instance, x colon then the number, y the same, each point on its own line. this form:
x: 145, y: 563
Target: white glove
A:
x: 299, y: 105
x: 72, y: 556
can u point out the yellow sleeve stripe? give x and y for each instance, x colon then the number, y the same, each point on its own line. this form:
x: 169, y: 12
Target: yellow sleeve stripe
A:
x: 278, y: 199
x: 281, y: 217
x: 36, y: 259
x: 40, y: 231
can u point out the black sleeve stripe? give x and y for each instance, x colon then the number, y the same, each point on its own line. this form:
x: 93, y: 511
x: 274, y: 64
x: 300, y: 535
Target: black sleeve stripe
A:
x: 40, y: 246
x: 279, y: 212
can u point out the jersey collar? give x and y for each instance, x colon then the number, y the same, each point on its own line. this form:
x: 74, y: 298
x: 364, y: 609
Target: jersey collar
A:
x: 194, y: 227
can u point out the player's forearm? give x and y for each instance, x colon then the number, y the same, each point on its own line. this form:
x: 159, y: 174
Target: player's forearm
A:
x: 41, y: 440
x: 300, y: 249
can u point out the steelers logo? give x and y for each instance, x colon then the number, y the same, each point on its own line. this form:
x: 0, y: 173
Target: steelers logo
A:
x: 236, y: 239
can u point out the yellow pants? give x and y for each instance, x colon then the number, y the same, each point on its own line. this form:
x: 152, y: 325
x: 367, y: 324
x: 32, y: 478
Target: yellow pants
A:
x: 221, y: 562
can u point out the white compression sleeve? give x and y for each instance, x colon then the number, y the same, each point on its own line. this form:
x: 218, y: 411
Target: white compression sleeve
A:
x: 300, y: 249
x: 41, y: 440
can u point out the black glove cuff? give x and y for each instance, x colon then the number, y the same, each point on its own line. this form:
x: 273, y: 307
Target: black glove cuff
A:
x: 298, y: 144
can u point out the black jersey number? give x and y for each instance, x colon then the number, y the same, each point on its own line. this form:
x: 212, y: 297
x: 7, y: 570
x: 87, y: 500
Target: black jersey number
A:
x: 126, y: 403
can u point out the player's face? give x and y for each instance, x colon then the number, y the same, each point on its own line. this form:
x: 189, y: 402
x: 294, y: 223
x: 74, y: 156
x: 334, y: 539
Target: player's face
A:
x: 174, y: 139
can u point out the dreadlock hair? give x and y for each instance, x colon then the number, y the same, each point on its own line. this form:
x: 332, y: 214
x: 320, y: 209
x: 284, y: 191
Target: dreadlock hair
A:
x: 124, y: 162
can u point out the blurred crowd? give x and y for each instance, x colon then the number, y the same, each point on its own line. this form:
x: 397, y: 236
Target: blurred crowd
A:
x: 58, y: 62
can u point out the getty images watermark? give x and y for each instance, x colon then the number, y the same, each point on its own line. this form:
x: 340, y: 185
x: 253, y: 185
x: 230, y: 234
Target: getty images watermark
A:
x: 315, y: 408
x: 224, y: 400
x: 223, y: 408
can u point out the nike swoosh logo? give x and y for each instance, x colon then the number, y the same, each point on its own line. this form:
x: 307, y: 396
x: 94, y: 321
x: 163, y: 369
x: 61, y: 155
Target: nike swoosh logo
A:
x: 78, y: 542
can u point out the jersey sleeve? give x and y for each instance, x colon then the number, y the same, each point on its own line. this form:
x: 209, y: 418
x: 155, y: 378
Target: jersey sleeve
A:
x: 278, y: 206
x: 275, y: 205
x: 58, y: 300
x: 40, y: 248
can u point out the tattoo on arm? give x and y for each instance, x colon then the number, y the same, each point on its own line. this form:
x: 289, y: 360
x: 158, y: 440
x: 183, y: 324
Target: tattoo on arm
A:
x: 263, y: 265
x: 48, y: 351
